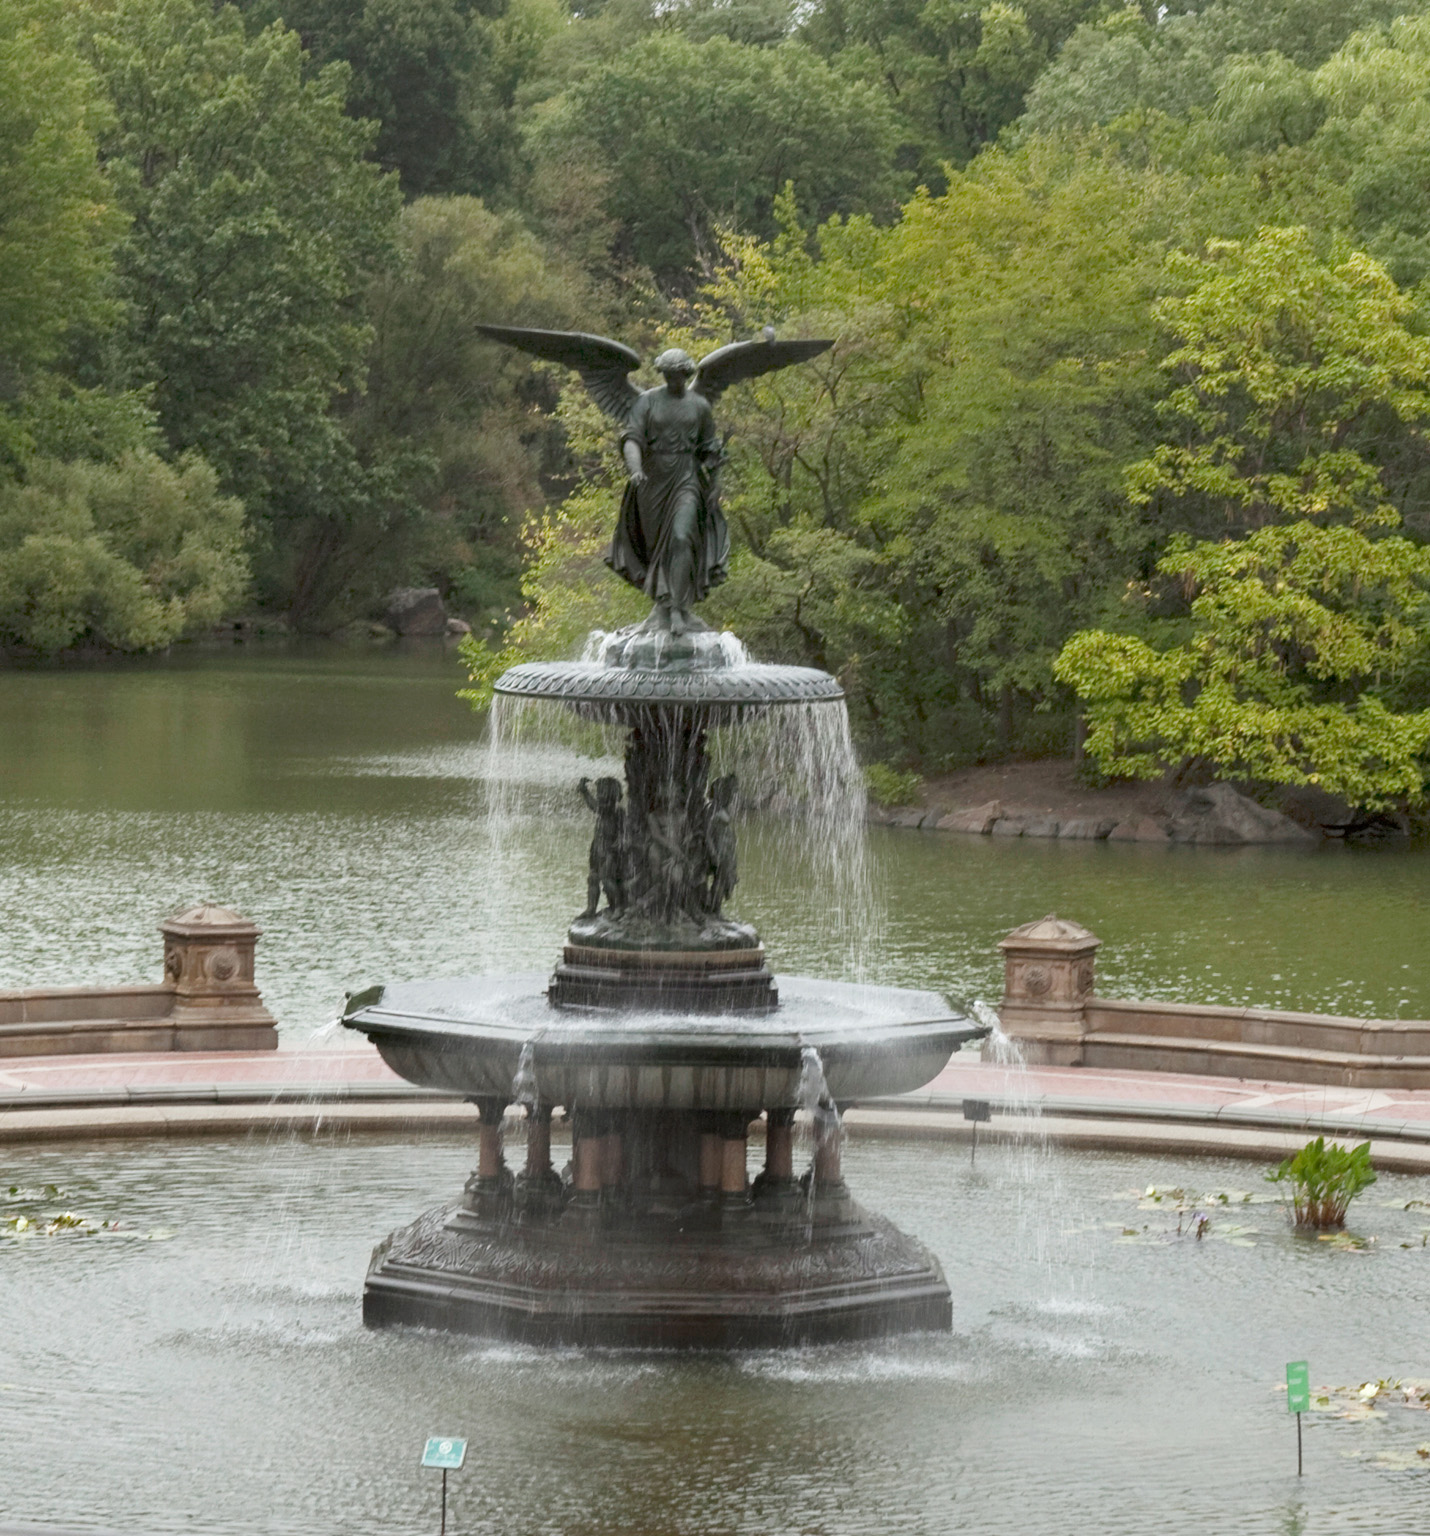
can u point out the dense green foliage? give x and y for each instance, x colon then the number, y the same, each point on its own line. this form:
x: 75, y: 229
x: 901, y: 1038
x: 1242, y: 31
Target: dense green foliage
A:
x: 129, y: 555
x: 1123, y: 433
x: 1324, y: 1180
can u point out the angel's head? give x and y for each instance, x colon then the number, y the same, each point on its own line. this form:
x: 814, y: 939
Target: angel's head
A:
x: 677, y: 367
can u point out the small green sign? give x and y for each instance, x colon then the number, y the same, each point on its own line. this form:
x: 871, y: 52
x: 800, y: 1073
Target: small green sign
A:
x: 1298, y: 1387
x: 448, y: 1454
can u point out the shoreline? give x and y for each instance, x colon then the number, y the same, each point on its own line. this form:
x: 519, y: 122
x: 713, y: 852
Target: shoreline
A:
x: 1045, y: 798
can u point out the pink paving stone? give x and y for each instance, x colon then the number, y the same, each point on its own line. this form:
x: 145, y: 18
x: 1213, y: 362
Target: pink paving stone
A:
x: 962, y: 1078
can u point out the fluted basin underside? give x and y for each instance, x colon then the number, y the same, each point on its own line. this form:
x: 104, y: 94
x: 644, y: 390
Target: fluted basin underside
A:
x: 466, y: 1035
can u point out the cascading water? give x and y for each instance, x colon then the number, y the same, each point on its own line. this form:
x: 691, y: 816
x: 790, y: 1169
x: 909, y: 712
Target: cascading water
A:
x: 662, y: 1033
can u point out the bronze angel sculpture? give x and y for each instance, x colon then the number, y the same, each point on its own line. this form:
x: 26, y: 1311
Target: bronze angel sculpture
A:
x: 671, y: 539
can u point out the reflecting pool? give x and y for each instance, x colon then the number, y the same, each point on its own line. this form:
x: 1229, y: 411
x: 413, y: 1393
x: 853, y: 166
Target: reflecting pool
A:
x: 337, y: 797
x: 204, y: 1365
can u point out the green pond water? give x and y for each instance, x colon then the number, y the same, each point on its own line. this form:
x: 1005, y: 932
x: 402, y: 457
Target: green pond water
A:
x: 338, y: 798
x: 202, y: 1364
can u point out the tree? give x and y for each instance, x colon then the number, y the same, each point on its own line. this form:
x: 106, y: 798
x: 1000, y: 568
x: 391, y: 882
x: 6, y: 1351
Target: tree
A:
x: 1287, y: 647
x: 692, y: 136
x: 1298, y: 638
x: 256, y: 227
x: 58, y: 220
x: 1173, y: 59
x: 130, y: 555
x: 437, y: 387
x: 439, y: 76
x: 1024, y: 295
x: 955, y: 75
x: 1296, y: 376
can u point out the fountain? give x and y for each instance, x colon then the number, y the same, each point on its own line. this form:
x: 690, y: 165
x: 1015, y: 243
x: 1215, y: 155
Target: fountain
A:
x: 664, y: 1036
x: 662, y: 1032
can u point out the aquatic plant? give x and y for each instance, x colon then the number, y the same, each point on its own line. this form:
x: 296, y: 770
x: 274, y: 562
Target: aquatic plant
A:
x: 1324, y: 1179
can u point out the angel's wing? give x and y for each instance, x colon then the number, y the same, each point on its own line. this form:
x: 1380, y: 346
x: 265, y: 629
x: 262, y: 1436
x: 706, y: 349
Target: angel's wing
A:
x: 743, y: 360
x: 604, y: 365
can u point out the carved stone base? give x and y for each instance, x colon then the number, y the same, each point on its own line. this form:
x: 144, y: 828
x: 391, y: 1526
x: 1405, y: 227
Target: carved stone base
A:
x: 630, y: 962
x: 750, y: 1285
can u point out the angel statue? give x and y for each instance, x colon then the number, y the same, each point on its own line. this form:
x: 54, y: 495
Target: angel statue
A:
x: 671, y: 540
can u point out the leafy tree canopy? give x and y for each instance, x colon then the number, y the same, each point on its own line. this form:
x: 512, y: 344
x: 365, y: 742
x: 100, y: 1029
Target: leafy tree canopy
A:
x: 130, y: 555
x: 58, y: 220
x: 256, y: 224
x: 683, y: 137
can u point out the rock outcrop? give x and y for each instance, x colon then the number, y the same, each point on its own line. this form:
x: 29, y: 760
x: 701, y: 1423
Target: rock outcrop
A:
x: 416, y: 611
x: 1223, y: 815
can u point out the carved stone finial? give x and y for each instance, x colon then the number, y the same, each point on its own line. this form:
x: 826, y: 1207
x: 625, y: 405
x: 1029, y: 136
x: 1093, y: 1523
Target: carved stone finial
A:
x: 1049, y: 975
x: 208, y: 960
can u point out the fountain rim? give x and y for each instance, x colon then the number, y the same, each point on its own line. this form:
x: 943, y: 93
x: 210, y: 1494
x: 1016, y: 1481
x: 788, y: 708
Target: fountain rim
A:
x: 596, y: 1035
x: 754, y: 684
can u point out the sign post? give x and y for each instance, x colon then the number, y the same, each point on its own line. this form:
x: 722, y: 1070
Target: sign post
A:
x: 975, y: 1110
x: 1298, y: 1398
x: 448, y: 1454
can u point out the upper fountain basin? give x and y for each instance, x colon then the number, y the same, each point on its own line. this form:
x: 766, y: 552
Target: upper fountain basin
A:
x: 465, y: 1035
x: 600, y: 687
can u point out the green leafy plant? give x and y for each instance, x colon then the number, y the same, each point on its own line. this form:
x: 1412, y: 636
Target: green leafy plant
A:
x: 892, y: 786
x: 1324, y: 1180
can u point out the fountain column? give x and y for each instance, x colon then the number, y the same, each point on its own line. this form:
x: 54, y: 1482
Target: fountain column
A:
x: 588, y: 1156
x: 710, y: 1163
x: 538, y: 1186
x: 775, y: 1187
x: 828, y: 1172
x: 488, y: 1190
x: 733, y: 1190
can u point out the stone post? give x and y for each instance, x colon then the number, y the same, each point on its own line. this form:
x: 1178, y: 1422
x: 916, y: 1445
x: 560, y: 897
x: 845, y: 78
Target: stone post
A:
x: 208, y: 962
x: 1049, y: 977
x: 828, y: 1169
x: 583, y: 1209
x: 710, y: 1160
x: 733, y: 1190
x: 488, y: 1190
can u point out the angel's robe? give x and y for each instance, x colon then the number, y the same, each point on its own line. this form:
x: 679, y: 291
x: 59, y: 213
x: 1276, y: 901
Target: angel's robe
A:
x: 676, y: 514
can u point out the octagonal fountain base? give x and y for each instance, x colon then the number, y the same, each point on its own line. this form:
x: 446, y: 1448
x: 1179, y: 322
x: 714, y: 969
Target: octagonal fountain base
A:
x: 753, y: 1289
x: 655, y: 1236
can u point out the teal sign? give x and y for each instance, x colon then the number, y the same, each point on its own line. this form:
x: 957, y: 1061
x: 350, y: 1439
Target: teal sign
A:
x: 448, y: 1454
x: 1298, y: 1387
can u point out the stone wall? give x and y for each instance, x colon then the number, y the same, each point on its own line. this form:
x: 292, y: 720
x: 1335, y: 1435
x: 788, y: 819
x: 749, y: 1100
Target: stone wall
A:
x: 1050, y: 1007
x: 208, y: 1000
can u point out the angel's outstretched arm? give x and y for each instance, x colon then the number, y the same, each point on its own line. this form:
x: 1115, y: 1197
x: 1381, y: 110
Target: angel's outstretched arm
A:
x: 604, y: 365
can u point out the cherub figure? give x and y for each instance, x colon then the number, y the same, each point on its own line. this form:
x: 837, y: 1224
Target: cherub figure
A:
x: 668, y: 890
x: 608, y: 846
x: 720, y: 856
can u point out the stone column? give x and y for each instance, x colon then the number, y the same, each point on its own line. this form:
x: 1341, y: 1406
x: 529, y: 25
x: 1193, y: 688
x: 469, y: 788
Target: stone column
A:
x: 613, y: 1160
x: 733, y: 1190
x: 1048, y: 979
x: 828, y: 1153
x: 583, y: 1209
x: 208, y: 962
x: 489, y: 1188
x: 538, y: 1141
x: 537, y: 1191
x: 775, y: 1188
x: 779, y: 1146
x: 710, y: 1161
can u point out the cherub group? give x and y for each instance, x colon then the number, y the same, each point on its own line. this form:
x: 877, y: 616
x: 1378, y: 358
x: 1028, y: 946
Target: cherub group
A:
x: 666, y: 863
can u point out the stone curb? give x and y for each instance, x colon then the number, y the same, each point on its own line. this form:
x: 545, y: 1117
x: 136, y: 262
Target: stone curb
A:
x: 1396, y: 1146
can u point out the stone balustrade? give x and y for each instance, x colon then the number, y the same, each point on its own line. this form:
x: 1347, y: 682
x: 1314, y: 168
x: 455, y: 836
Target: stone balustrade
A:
x: 207, y: 1001
x: 1051, y: 1009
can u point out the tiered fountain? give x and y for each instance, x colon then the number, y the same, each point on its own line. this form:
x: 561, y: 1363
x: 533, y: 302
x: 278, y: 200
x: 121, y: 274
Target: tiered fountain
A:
x: 664, y: 1037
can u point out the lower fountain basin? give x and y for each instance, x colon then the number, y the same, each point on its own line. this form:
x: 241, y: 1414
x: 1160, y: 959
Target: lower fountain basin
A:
x: 466, y: 1035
